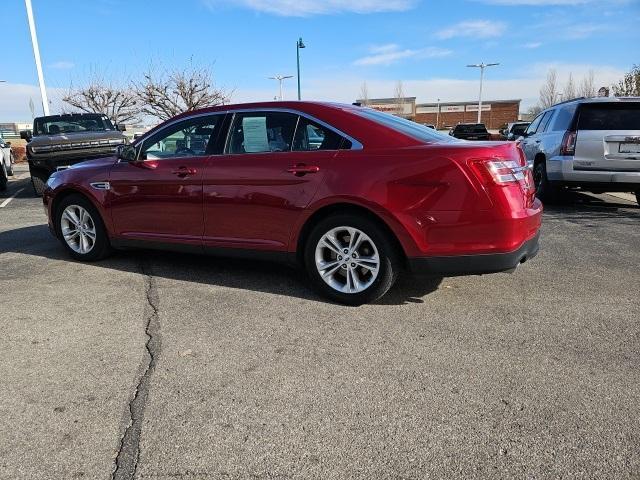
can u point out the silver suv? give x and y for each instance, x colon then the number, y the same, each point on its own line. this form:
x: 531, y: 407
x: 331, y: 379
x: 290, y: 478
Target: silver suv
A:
x: 593, y: 144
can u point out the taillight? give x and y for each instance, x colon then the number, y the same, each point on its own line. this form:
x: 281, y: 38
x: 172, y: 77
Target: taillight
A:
x: 500, y: 172
x: 568, y: 146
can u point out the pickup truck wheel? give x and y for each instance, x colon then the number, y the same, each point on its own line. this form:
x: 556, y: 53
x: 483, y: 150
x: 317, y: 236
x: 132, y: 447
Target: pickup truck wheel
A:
x: 39, y: 183
x: 10, y: 167
x: 3, y: 177
x: 80, y: 229
x: 351, y: 259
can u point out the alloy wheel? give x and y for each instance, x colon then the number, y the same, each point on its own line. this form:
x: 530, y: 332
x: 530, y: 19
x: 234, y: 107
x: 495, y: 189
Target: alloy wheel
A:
x: 347, y: 259
x: 78, y: 229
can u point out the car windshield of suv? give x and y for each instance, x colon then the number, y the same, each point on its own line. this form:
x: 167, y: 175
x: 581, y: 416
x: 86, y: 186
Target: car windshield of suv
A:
x: 471, y: 129
x: 57, y: 125
x: 402, y: 125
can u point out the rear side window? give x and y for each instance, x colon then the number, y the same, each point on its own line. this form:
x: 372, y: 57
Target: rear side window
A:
x: 259, y: 132
x: 311, y: 136
x: 563, y: 118
x: 609, y: 116
x: 545, y: 121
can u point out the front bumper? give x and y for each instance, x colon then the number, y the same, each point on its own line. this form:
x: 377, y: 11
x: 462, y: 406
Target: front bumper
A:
x: 475, y: 264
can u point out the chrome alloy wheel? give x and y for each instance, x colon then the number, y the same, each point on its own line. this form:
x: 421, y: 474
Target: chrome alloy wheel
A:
x: 347, y: 259
x: 78, y: 229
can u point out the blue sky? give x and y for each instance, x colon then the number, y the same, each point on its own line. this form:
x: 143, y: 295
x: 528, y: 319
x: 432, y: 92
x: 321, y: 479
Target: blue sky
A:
x: 424, y: 43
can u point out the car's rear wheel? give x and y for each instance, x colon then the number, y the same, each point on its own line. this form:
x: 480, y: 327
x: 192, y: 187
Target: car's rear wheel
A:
x: 39, y: 182
x: 3, y: 176
x: 638, y: 196
x: 351, y: 259
x: 545, y: 191
x: 81, y: 230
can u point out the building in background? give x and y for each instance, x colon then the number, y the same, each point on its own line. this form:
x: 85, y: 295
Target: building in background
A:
x: 495, y: 113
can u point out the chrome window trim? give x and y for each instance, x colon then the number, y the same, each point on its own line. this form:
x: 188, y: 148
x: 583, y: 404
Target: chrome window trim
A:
x: 355, y: 144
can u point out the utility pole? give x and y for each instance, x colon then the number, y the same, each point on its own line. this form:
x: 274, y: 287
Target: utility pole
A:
x: 299, y: 45
x: 36, y: 54
x: 280, y: 78
x: 481, y: 66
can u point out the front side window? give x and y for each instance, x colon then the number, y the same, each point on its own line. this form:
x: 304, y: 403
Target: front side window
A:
x: 311, y: 136
x: 262, y: 132
x: 190, y: 138
x: 534, y: 125
x: 545, y: 121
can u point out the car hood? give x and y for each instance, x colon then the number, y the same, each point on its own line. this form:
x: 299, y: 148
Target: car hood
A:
x: 75, y: 137
x: 95, y: 163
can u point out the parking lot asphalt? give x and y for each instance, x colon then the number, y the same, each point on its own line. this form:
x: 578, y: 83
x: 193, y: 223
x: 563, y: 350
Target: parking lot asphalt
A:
x: 164, y: 365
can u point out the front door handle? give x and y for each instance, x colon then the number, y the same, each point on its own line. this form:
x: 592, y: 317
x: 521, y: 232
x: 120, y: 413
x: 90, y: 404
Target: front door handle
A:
x: 184, y: 171
x: 301, y: 169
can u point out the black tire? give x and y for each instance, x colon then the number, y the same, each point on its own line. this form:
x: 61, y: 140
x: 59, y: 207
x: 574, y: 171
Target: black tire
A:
x: 3, y: 176
x: 638, y: 197
x: 10, y: 168
x: 545, y: 191
x: 101, y: 247
x: 39, y: 183
x: 389, y: 259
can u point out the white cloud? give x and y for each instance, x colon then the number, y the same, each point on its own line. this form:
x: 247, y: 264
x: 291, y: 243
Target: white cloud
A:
x: 549, y: 3
x: 303, y: 8
x: 473, y: 28
x: 392, y: 53
x: 579, y: 31
x: 14, y: 98
x: 62, y: 65
x: 532, y: 45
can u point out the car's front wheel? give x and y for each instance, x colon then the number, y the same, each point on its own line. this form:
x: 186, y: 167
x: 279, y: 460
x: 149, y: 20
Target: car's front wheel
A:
x: 351, y: 259
x: 81, y: 230
x: 3, y: 176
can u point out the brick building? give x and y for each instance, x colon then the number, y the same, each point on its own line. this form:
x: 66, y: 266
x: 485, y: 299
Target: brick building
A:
x: 495, y: 113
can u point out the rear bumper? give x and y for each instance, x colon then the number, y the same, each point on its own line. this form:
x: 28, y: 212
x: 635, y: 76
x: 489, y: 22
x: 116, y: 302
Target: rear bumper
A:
x: 475, y: 264
x: 566, y: 170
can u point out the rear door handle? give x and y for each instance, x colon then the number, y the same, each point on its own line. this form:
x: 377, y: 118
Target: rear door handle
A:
x: 184, y: 171
x: 301, y: 169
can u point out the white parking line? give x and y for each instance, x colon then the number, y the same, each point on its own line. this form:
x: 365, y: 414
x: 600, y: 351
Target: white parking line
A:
x: 6, y: 202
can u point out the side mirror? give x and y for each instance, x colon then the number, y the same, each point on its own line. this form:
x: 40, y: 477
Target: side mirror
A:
x: 127, y: 153
x: 26, y: 135
x: 121, y: 127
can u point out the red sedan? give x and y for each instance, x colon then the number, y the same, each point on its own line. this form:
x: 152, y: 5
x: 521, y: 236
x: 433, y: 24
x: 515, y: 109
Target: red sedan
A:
x: 351, y: 194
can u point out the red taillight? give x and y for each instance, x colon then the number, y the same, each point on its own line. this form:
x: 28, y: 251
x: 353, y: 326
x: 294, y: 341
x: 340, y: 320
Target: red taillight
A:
x: 499, y: 171
x: 568, y: 146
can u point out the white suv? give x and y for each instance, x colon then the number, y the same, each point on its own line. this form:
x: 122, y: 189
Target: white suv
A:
x: 6, y: 163
x: 593, y: 144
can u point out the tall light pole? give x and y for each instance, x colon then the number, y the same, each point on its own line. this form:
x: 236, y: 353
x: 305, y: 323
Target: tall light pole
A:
x: 299, y: 45
x: 481, y: 66
x: 280, y: 78
x: 36, y: 54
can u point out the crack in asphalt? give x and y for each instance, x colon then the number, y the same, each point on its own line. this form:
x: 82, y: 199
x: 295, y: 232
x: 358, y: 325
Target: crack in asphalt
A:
x: 128, y: 455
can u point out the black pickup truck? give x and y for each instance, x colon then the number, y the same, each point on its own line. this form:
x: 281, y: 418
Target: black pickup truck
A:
x: 58, y: 141
x: 470, y: 131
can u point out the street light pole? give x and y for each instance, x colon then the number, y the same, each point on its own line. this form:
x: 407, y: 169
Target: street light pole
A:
x: 299, y: 45
x: 481, y: 66
x: 280, y: 78
x: 36, y: 54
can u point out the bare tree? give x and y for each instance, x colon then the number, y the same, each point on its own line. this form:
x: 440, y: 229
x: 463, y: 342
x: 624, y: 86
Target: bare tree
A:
x: 629, y: 86
x: 364, y: 93
x: 549, y: 90
x: 587, y: 86
x: 99, y: 96
x: 165, y: 93
x: 569, y: 89
x: 399, y: 97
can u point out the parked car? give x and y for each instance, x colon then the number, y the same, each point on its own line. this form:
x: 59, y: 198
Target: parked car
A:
x: 514, y: 130
x: 6, y: 163
x: 470, y: 131
x: 58, y: 141
x: 429, y: 125
x: 587, y: 143
x: 379, y: 193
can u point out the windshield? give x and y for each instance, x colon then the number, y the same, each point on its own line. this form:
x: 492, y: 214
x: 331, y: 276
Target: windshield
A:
x: 58, y: 124
x: 609, y: 116
x: 412, y: 129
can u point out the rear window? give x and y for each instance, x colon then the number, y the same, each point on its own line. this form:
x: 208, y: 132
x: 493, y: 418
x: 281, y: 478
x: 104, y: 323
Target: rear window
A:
x: 407, y: 127
x: 609, y: 116
x: 471, y: 128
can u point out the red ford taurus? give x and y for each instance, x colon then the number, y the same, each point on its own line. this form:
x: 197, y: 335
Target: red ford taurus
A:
x: 351, y: 194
